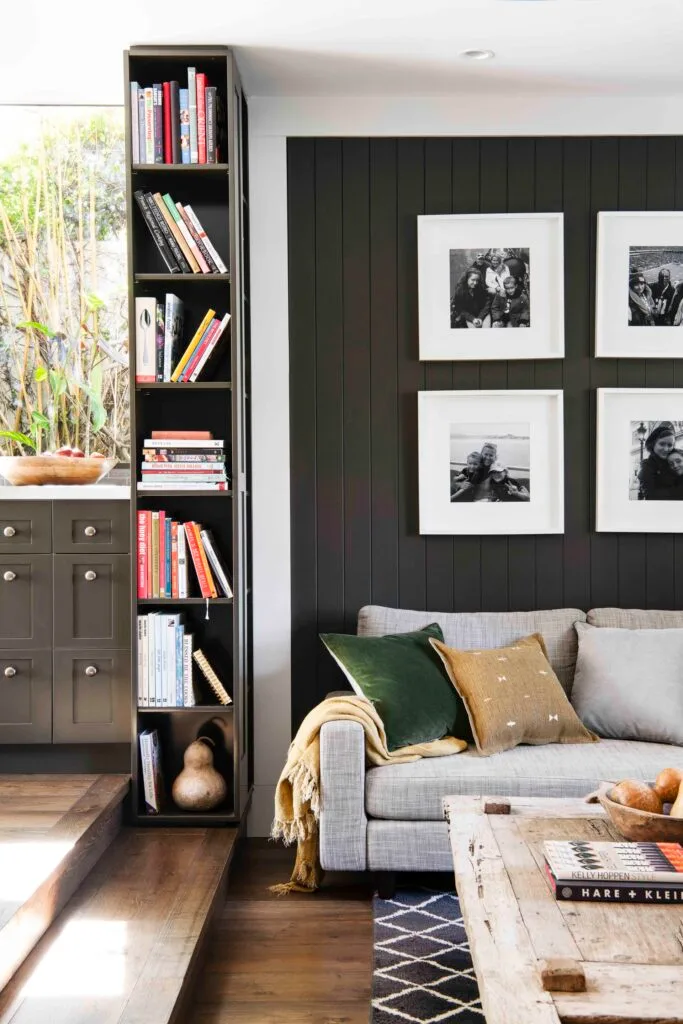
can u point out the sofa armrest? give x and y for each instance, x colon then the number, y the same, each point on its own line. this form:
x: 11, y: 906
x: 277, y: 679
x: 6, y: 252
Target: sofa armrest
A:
x: 343, y: 824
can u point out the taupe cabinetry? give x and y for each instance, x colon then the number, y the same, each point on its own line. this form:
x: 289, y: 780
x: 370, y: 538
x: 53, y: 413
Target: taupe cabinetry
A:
x: 64, y: 623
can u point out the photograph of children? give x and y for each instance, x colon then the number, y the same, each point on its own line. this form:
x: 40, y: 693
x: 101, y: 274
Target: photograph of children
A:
x: 489, y: 288
x: 656, y: 460
x: 490, y: 462
x: 655, y: 286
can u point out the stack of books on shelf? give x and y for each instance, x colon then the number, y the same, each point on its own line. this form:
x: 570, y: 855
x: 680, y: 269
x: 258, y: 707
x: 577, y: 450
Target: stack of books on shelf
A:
x: 184, y: 460
x: 628, y: 872
x: 165, y: 656
x: 174, y: 125
x: 162, y: 547
x: 158, y: 340
x: 178, y: 235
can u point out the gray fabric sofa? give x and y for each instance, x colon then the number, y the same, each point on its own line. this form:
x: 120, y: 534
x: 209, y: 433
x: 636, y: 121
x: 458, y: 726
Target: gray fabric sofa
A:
x: 390, y: 819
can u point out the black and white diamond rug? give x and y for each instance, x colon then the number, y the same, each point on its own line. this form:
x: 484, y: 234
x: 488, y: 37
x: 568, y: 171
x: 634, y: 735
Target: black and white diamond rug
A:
x: 422, y: 969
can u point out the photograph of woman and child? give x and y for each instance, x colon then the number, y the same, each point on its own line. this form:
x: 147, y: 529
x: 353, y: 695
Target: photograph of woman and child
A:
x: 655, y: 287
x: 489, y: 462
x: 656, y: 460
x: 489, y: 289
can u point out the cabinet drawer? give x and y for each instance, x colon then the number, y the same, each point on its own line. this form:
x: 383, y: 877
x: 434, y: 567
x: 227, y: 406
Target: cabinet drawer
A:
x: 81, y: 526
x: 92, y: 601
x: 91, y: 697
x: 25, y: 601
x: 25, y: 527
x: 25, y: 696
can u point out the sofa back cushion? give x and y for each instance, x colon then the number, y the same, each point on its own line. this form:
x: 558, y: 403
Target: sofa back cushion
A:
x: 634, y: 618
x: 477, y: 630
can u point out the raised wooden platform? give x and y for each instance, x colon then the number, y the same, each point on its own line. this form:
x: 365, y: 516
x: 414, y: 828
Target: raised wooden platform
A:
x: 53, y: 830
x: 125, y: 949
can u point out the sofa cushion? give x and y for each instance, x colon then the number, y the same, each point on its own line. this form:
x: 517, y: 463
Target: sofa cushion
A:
x: 416, y: 790
x: 632, y: 618
x: 472, y: 630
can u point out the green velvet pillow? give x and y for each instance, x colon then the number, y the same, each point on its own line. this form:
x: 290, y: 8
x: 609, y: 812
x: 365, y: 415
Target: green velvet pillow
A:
x: 403, y: 677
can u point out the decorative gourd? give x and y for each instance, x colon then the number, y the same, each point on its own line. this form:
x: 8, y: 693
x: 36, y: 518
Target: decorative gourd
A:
x: 636, y: 794
x: 677, y: 808
x: 199, y: 787
x: 667, y: 784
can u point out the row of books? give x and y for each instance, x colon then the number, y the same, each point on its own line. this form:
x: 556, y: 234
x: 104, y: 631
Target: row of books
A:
x: 158, y: 340
x: 628, y: 872
x: 162, y: 546
x: 165, y: 658
x: 178, y: 234
x: 176, y: 460
x: 174, y: 125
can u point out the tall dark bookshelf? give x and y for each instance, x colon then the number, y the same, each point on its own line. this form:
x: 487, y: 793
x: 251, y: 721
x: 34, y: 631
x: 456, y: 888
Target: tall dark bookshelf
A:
x: 218, y: 402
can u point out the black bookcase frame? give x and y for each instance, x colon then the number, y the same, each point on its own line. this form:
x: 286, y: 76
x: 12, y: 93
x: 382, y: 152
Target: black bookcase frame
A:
x: 219, y: 193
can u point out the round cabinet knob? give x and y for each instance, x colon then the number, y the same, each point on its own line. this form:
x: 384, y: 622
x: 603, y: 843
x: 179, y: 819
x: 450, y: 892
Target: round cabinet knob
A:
x: 91, y: 670
x: 9, y: 576
x: 10, y: 671
x: 9, y: 531
x: 90, y: 575
x: 90, y: 531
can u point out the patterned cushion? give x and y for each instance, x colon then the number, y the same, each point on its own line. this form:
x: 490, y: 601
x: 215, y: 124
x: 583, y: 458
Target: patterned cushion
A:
x: 471, y: 630
x: 634, y: 618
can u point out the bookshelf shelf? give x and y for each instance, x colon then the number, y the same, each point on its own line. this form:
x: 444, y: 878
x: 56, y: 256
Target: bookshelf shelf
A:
x: 218, y: 194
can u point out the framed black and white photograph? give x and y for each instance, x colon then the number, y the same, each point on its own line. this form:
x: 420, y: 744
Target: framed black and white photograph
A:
x: 639, y: 293
x: 490, y: 462
x: 491, y: 286
x: 640, y: 460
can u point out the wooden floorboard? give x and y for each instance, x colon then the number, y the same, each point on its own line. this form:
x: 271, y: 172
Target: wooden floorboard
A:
x: 126, y: 944
x: 297, y: 959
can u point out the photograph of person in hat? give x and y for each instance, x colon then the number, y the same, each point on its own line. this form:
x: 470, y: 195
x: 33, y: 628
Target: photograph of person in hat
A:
x: 654, y: 287
x: 658, y: 473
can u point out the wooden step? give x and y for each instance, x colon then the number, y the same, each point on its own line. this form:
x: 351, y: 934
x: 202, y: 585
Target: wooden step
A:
x: 53, y: 830
x: 127, y: 946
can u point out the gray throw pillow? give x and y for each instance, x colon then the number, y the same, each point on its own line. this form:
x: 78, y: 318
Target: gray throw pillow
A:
x: 629, y: 683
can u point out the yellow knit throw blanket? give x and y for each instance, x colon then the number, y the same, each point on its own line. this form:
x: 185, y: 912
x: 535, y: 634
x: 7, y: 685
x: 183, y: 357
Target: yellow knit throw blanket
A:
x: 297, y: 797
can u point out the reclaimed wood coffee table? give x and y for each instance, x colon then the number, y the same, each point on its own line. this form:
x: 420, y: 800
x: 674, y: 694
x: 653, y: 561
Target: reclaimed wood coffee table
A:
x: 539, y: 961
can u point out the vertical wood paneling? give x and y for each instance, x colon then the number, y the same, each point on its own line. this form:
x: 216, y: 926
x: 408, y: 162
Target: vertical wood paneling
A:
x: 355, y: 374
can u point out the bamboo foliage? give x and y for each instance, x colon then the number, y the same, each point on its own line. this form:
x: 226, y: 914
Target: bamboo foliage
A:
x: 63, y: 307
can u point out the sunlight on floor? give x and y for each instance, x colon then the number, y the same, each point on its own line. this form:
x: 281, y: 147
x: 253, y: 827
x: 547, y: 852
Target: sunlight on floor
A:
x: 87, y: 959
x: 24, y: 865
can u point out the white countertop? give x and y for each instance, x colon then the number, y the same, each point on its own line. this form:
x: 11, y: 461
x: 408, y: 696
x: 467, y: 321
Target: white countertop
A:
x: 74, y: 492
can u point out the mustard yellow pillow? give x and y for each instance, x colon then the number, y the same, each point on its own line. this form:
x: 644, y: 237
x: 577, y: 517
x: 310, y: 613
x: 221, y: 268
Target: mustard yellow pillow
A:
x: 512, y: 696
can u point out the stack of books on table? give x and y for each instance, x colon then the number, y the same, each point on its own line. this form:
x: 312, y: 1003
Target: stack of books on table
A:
x: 159, y: 352
x: 183, y: 460
x: 162, y: 550
x: 165, y: 659
x: 171, y: 124
x: 178, y: 234
x: 627, y: 872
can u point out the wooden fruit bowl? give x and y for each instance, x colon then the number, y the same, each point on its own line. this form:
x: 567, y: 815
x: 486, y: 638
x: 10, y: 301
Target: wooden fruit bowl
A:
x: 25, y: 470
x: 641, y: 826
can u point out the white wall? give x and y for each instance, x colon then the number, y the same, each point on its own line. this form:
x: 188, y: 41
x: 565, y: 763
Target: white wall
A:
x: 271, y: 121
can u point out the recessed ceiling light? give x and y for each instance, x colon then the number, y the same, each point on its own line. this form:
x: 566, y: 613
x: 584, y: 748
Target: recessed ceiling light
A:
x: 478, y: 54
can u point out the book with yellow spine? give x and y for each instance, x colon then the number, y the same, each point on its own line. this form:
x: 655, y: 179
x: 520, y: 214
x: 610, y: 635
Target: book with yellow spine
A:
x: 196, y: 338
x: 211, y: 678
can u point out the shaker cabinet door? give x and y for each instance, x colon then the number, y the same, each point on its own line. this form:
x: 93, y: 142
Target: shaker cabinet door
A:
x: 25, y: 696
x: 84, y: 526
x: 92, y: 601
x: 25, y: 527
x: 25, y: 601
x: 91, y: 697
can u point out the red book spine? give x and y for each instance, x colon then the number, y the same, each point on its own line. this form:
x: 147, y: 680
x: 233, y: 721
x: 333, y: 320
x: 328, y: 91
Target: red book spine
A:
x: 166, y: 103
x: 143, y: 549
x: 201, y: 117
x: 174, y: 559
x: 182, y: 435
x: 197, y: 560
x: 162, y: 554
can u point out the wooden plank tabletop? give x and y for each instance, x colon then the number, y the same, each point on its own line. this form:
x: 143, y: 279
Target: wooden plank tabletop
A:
x: 628, y: 958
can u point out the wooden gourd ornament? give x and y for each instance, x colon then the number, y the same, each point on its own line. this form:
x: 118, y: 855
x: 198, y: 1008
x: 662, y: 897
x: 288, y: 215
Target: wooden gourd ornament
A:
x: 199, y: 787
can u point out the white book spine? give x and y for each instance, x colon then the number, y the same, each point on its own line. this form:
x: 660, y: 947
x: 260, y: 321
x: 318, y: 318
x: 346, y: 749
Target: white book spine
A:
x: 158, y: 661
x: 135, y: 121
x: 141, y: 619
x: 142, y: 660
x: 151, y: 661
x: 192, y: 91
x: 205, y: 239
x: 182, y: 486
x: 215, y: 563
x: 182, y: 562
x: 210, y: 347
x: 179, y: 696
x: 145, y: 339
x: 172, y: 623
x: 175, y: 443
x: 147, y: 769
x: 188, y: 690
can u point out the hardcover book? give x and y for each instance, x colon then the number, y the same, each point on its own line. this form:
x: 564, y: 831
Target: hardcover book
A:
x: 145, y: 339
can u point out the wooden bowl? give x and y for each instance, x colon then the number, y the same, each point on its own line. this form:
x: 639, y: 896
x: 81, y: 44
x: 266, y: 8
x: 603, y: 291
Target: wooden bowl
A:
x: 24, y: 470
x: 641, y: 826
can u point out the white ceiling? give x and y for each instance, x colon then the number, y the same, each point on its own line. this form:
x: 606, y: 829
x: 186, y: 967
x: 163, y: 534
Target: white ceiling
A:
x: 71, y: 51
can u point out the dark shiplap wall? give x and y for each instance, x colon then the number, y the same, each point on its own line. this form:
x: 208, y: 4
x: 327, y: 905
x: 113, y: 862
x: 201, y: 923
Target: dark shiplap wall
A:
x: 355, y: 375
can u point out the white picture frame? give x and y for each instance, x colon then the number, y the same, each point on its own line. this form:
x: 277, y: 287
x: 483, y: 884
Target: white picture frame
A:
x: 625, y: 421
x: 622, y: 239
x: 526, y: 427
x: 443, y: 245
